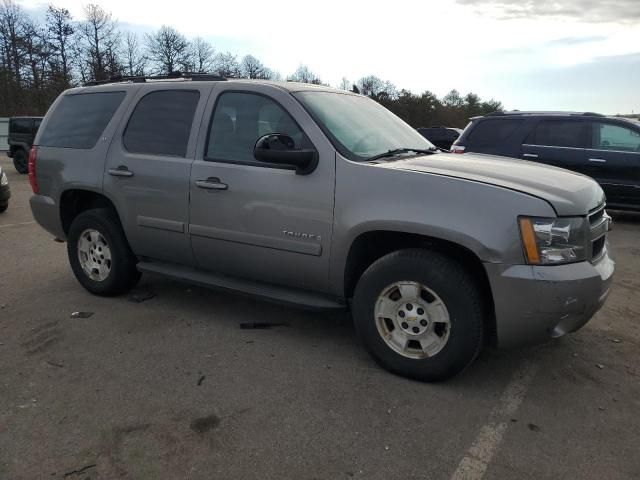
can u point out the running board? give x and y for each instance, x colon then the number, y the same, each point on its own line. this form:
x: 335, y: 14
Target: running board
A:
x: 273, y: 293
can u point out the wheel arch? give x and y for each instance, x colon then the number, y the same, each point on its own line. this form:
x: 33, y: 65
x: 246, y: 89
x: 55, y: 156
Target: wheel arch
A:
x: 369, y: 246
x: 75, y: 201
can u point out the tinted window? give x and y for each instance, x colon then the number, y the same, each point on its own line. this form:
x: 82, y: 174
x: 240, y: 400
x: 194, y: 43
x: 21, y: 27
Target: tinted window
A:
x: 79, y: 120
x: 161, y: 123
x: 615, y: 137
x: 21, y: 125
x: 560, y: 133
x: 240, y: 119
x: 494, y: 132
x: 36, y: 125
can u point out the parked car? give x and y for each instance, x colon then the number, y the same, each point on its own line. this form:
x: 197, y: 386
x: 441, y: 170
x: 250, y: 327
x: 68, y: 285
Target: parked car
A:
x: 5, y: 191
x: 441, y: 137
x: 320, y: 198
x: 604, y: 148
x: 22, y: 131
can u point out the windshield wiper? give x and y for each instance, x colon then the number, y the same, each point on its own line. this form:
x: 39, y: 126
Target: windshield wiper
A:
x: 397, y: 151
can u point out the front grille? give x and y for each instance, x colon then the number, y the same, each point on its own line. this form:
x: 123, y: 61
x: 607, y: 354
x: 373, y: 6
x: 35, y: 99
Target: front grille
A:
x: 599, y: 226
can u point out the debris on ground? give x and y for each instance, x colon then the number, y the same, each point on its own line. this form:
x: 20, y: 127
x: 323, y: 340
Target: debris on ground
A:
x: 142, y: 295
x: 81, y: 314
x: 201, y: 379
x: 602, y: 409
x: 600, y: 366
x: 262, y: 325
x: 533, y: 427
x: 204, y: 424
x: 54, y: 364
x: 614, y: 340
x: 80, y: 470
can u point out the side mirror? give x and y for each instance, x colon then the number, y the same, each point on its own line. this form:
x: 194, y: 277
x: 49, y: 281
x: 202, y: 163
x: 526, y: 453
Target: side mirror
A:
x: 280, y: 149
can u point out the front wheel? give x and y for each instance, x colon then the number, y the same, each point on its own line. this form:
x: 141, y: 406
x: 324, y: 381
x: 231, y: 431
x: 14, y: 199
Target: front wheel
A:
x: 99, y: 253
x: 21, y: 161
x: 4, y: 206
x: 419, y: 314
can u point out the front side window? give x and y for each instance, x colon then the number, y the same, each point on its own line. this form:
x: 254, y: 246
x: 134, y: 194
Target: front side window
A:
x: 359, y: 127
x: 161, y: 123
x: 79, y: 119
x: 560, y: 133
x: 607, y: 136
x: 240, y: 119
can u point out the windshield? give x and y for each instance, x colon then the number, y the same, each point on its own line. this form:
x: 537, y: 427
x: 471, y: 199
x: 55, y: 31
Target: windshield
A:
x: 359, y: 127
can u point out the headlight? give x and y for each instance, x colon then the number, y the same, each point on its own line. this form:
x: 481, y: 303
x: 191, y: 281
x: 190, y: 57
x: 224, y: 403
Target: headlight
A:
x: 550, y: 241
x: 3, y: 180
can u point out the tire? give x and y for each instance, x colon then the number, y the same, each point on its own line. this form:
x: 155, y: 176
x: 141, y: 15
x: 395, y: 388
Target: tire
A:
x: 110, y: 263
x: 438, y: 342
x: 4, y: 206
x: 21, y: 161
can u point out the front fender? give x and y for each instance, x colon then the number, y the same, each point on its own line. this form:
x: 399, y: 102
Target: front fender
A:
x: 477, y: 216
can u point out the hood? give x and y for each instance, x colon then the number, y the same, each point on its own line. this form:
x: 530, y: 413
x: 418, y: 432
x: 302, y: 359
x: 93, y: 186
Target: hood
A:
x: 568, y: 193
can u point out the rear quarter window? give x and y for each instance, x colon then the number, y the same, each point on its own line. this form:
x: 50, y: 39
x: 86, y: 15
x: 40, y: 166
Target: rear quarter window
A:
x: 489, y: 133
x: 79, y: 119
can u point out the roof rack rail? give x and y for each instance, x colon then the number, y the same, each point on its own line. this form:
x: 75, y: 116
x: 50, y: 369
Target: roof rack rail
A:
x: 543, y: 112
x: 207, y: 77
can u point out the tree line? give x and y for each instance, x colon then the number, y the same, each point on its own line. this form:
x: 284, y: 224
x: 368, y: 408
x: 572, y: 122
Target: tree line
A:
x: 40, y: 59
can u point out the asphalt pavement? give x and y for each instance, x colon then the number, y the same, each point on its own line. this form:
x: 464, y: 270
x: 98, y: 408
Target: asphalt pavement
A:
x: 164, y: 384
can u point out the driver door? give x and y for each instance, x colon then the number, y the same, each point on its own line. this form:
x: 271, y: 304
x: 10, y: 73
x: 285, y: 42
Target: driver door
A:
x: 256, y: 220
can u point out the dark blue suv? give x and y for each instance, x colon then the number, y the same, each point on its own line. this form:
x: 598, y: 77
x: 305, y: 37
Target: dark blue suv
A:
x: 604, y: 148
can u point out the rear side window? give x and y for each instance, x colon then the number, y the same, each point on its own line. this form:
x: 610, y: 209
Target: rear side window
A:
x: 21, y: 125
x: 79, y: 119
x: 489, y: 133
x: 560, y: 133
x: 161, y: 123
x: 615, y: 137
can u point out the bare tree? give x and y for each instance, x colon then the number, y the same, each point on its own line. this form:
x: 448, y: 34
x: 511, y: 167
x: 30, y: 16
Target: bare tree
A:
x: 303, y: 74
x: 251, y: 67
x: 227, y: 65
x: 134, y: 60
x: 375, y: 87
x: 101, y: 41
x: 168, y: 49
x: 203, y: 55
x: 345, y: 84
x: 60, y: 31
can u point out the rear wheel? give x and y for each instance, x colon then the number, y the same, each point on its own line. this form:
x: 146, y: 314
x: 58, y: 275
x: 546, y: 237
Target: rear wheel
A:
x: 99, y: 253
x: 4, y: 206
x: 419, y: 314
x: 21, y: 161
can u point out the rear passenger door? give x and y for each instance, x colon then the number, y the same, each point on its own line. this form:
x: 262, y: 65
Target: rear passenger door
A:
x: 148, y: 166
x: 558, y: 142
x: 614, y: 160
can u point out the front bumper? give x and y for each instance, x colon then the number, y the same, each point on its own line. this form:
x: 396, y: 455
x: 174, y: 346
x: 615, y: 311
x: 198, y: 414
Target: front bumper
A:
x: 536, y: 303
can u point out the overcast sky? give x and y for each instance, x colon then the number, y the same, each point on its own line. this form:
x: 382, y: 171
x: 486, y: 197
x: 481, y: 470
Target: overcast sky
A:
x: 529, y: 54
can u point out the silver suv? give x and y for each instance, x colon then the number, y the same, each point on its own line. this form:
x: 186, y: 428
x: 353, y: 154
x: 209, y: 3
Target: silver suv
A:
x: 320, y: 198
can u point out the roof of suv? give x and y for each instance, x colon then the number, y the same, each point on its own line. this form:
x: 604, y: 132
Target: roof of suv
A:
x: 137, y: 82
x: 518, y: 113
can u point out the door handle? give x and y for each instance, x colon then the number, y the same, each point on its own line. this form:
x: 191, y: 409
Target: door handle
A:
x: 211, y: 183
x: 530, y: 155
x: 598, y: 160
x: 121, y: 171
